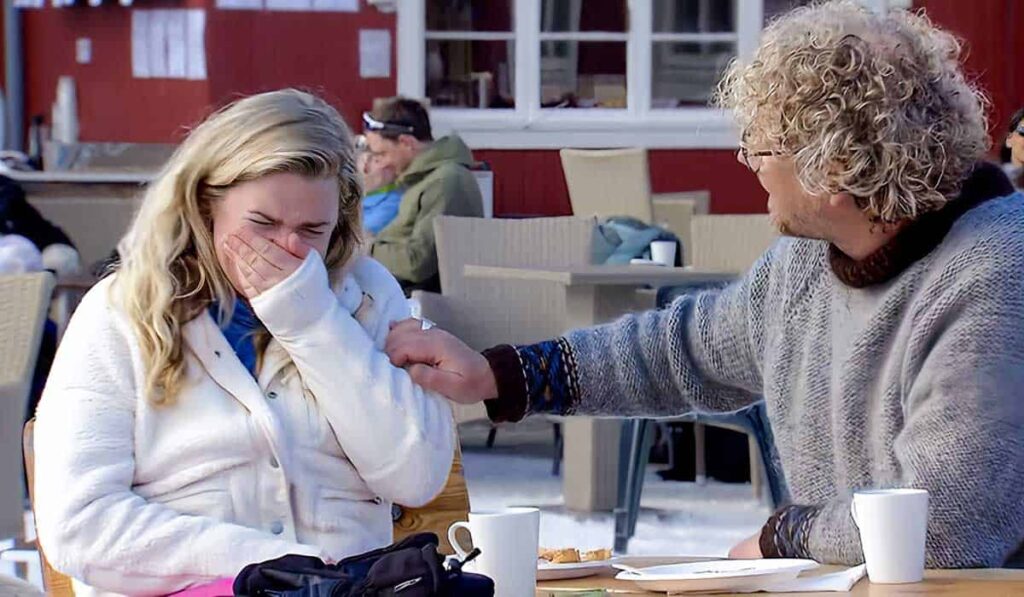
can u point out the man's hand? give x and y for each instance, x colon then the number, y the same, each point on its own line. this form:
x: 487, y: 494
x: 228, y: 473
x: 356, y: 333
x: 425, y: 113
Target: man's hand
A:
x: 262, y: 264
x: 748, y: 549
x: 440, y: 362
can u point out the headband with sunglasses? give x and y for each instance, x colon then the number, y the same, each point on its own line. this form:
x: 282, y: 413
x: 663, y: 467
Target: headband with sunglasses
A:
x: 374, y: 125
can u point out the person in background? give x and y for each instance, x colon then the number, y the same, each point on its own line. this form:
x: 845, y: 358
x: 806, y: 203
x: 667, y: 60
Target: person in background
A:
x: 436, y: 178
x: 884, y: 330
x: 17, y: 216
x: 1012, y: 151
x: 222, y: 397
x: 381, y: 196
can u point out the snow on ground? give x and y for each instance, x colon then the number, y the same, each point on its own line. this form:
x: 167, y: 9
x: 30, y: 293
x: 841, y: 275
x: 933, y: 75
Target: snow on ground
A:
x: 676, y: 518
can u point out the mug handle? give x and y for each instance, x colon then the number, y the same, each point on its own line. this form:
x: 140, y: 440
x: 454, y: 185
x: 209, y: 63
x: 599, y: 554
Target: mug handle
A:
x: 459, y: 550
x: 853, y: 513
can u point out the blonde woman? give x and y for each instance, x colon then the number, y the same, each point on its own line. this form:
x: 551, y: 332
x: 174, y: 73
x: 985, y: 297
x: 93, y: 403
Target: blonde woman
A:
x: 223, y: 398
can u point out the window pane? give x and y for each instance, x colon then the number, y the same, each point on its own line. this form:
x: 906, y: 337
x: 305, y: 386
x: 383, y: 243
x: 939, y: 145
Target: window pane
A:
x: 568, y: 15
x: 695, y: 16
x: 685, y: 73
x: 583, y: 74
x: 469, y: 15
x: 470, y: 74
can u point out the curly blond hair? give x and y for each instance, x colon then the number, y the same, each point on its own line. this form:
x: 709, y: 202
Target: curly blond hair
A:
x: 872, y: 105
x: 169, y: 271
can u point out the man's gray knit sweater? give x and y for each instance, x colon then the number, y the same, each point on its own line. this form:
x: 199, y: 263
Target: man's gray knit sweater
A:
x: 914, y: 382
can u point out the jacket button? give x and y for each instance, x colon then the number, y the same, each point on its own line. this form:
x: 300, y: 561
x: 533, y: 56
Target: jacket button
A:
x: 273, y: 462
x: 378, y: 500
x: 271, y: 395
x: 277, y: 527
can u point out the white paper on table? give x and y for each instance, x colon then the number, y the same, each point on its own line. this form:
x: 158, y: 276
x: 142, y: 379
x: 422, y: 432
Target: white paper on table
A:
x: 176, y: 26
x: 239, y: 4
x: 336, y: 5
x: 140, y: 44
x: 195, y: 53
x: 157, y: 43
x: 289, y: 4
x: 839, y: 582
x: 374, y: 53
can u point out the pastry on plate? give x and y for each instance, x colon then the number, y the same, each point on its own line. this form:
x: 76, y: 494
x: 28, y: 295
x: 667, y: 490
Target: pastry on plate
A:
x: 596, y: 555
x: 568, y: 555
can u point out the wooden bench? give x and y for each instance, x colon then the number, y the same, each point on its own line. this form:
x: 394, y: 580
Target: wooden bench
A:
x: 450, y: 506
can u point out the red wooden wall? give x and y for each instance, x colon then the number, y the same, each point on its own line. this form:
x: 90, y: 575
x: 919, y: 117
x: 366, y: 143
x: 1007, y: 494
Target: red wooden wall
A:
x: 993, y: 36
x: 254, y: 51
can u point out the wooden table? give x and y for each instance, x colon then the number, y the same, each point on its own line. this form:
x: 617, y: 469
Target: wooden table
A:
x: 990, y: 582
x: 597, y: 294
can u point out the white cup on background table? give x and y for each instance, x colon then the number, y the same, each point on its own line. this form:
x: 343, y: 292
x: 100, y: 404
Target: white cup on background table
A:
x: 664, y: 252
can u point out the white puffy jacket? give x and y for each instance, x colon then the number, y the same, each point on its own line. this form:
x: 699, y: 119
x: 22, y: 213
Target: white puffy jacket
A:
x: 139, y: 499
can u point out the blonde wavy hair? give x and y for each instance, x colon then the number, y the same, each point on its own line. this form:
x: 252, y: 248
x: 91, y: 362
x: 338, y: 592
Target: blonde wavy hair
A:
x: 169, y: 271
x: 873, y: 105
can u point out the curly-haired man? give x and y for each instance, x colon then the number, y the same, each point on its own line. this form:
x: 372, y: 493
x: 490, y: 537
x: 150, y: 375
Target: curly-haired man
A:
x: 884, y: 331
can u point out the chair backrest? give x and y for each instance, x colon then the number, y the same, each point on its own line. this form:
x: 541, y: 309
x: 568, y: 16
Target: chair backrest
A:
x: 730, y: 243
x: 677, y: 216
x: 24, y: 301
x: 450, y: 506
x: 55, y: 583
x: 497, y: 312
x: 608, y: 182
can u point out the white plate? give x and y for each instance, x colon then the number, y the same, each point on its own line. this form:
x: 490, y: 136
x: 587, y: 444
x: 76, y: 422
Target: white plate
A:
x: 718, y: 575
x: 548, y: 571
x: 639, y: 261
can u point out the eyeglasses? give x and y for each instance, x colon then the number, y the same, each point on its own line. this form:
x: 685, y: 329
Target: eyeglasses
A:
x: 753, y: 159
x: 377, y: 126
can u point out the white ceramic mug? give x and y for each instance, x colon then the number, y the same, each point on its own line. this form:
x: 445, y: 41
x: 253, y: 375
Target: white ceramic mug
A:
x: 893, y: 524
x: 508, y: 541
x: 664, y: 252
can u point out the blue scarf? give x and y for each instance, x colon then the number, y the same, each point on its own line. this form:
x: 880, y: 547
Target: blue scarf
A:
x: 239, y: 332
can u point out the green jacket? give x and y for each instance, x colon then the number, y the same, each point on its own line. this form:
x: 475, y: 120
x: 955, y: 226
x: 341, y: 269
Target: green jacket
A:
x: 437, y: 182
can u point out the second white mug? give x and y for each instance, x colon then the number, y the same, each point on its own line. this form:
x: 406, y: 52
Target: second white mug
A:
x: 508, y: 540
x: 893, y: 524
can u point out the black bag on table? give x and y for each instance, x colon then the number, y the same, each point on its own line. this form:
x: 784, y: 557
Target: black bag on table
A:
x: 410, y: 568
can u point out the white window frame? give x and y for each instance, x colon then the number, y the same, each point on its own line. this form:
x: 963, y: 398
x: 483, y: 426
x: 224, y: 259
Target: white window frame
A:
x: 528, y: 126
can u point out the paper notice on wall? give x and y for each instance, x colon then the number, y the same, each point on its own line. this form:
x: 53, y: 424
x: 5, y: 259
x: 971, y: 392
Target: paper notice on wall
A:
x: 169, y: 44
x: 140, y: 44
x: 239, y: 4
x: 374, y: 53
x: 289, y: 5
x: 195, y: 44
x: 157, y: 42
x: 336, y: 5
x: 176, y: 25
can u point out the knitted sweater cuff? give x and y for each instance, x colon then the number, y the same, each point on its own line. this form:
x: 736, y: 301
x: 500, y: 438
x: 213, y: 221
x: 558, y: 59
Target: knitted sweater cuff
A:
x: 511, y: 404
x: 786, y: 532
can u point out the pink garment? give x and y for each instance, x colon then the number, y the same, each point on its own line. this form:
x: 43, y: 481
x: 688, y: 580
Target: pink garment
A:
x: 221, y: 588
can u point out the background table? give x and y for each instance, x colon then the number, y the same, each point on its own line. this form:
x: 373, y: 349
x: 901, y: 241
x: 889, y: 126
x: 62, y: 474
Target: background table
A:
x: 597, y: 294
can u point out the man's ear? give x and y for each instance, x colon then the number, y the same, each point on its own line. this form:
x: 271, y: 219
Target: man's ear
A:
x: 842, y: 201
x: 407, y: 141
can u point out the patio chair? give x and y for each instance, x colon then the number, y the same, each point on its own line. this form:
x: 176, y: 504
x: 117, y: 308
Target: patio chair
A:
x: 608, y: 182
x: 486, y: 313
x: 450, y: 506
x: 616, y: 182
x: 730, y: 243
x: 24, y: 301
